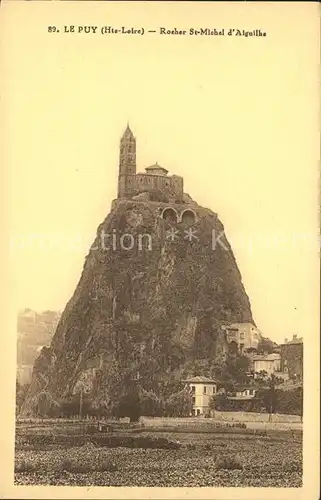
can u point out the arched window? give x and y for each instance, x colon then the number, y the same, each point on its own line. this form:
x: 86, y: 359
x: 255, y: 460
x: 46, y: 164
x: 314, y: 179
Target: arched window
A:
x: 169, y: 214
x: 188, y: 217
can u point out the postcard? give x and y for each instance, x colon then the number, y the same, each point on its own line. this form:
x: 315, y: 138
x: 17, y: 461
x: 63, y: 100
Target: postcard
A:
x: 161, y: 186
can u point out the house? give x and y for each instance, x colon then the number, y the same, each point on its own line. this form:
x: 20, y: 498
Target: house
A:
x: 243, y: 338
x: 202, y: 389
x: 269, y: 363
x: 292, y: 357
x: 243, y: 392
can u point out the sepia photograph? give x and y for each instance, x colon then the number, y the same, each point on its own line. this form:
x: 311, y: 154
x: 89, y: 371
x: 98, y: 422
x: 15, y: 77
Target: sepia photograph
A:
x: 162, y: 215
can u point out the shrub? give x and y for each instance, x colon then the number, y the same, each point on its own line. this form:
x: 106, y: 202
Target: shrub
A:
x: 43, y: 440
x: 25, y: 466
x: 136, y: 442
x: 238, y: 425
x: 70, y: 466
x: 66, y: 465
x: 230, y: 463
x: 77, y: 467
x: 106, y: 467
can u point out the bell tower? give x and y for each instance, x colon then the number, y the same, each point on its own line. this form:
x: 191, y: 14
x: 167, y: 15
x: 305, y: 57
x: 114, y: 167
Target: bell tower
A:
x: 127, y: 164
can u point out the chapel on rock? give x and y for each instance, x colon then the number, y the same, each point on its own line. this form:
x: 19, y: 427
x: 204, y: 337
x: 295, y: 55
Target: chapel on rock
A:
x: 155, y: 177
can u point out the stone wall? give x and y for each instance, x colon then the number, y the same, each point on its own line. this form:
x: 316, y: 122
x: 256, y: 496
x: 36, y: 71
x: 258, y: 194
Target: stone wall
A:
x: 130, y: 185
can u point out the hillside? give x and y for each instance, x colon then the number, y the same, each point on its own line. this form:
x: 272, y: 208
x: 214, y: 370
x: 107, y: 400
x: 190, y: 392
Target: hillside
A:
x: 35, y: 330
x: 151, y: 311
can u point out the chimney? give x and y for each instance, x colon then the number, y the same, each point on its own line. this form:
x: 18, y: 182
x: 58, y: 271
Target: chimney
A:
x: 295, y: 337
x: 285, y: 340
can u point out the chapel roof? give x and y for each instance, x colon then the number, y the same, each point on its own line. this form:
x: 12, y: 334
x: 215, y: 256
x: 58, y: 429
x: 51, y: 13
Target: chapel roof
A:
x: 156, y: 167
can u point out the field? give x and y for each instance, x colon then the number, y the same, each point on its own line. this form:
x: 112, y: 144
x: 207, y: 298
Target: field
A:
x: 161, y: 452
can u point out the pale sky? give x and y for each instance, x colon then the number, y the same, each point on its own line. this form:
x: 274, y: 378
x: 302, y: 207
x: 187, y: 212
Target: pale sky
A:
x: 236, y: 117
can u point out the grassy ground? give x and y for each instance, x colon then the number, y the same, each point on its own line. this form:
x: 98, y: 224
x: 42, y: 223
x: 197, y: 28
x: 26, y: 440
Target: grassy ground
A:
x: 206, y: 457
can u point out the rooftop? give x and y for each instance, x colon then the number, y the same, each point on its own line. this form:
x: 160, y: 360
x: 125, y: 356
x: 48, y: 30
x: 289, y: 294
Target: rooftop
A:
x: 266, y: 357
x: 295, y: 340
x: 240, y: 398
x: 243, y: 387
x: 156, y: 167
x: 199, y: 379
x: 236, y: 327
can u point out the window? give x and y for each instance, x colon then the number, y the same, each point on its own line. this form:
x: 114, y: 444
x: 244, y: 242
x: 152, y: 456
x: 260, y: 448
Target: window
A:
x: 241, y: 335
x: 204, y: 389
x: 198, y: 412
x: 193, y: 389
x: 193, y: 401
x: 188, y: 217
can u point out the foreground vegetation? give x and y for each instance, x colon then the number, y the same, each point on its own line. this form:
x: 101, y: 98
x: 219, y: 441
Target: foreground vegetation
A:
x: 217, y: 456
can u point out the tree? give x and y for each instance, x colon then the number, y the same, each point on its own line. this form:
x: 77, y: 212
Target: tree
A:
x: 21, y: 391
x: 124, y: 397
x: 265, y: 345
x: 261, y: 378
x: 300, y: 402
x: 179, y: 404
x: 290, y: 401
x: 45, y: 405
x: 129, y: 406
x: 151, y: 404
x: 268, y: 393
x: 236, y: 371
x: 212, y: 404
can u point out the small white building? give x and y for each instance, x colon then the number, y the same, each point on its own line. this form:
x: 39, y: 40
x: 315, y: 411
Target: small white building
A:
x: 202, y: 389
x: 243, y: 392
x: 270, y: 363
x: 244, y: 336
